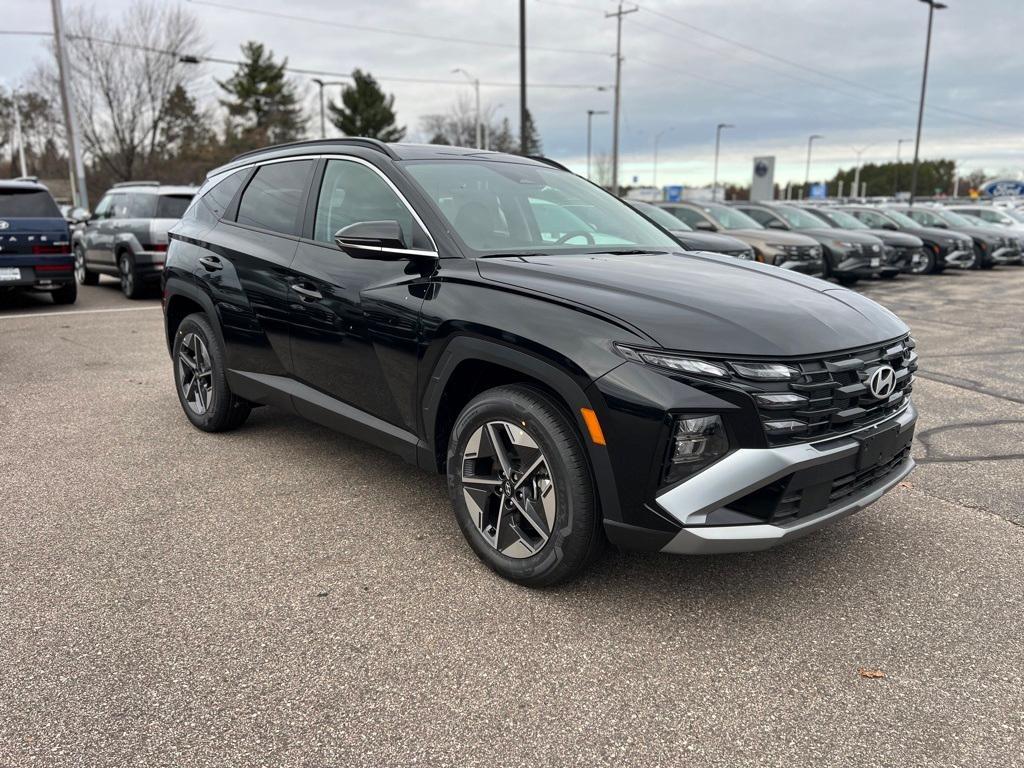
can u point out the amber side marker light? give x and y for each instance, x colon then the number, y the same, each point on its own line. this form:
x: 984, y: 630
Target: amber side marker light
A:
x: 593, y: 426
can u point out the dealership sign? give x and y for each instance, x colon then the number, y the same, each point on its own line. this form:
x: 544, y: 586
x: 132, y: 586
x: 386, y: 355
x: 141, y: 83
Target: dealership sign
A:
x: 1003, y: 188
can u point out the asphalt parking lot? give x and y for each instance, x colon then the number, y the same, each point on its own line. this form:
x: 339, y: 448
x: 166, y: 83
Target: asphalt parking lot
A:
x: 283, y: 595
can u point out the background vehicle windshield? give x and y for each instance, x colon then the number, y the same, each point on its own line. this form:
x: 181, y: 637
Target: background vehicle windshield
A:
x: 730, y: 218
x: 498, y: 207
x: 902, y: 219
x: 1015, y: 215
x: 27, y: 204
x: 798, y: 219
x: 663, y: 217
x: 953, y: 218
x: 843, y: 220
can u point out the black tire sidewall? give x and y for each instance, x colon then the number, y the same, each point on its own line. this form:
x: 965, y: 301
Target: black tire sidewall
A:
x: 569, y: 546
x: 225, y: 412
x: 135, y: 290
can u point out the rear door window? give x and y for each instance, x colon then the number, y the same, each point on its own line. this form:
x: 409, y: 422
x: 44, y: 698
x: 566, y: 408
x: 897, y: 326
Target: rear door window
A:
x: 27, y: 204
x: 139, y: 205
x: 274, y: 196
x: 173, y: 206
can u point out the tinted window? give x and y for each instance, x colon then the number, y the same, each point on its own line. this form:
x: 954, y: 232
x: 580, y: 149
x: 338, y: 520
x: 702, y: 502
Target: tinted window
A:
x: 102, y: 209
x: 873, y: 219
x: 927, y: 218
x: 27, y: 203
x: 217, y: 198
x: 140, y: 205
x: 758, y: 215
x: 730, y: 218
x: 172, y: 206
x: 687, y: 216
x: 272, y: 199
x: 350, y: 193
x: 661, y: 216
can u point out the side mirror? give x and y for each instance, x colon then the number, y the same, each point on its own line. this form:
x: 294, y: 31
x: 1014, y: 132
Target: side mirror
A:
x: 889, y: 225
x: 704, y: 226
x: 372, y: 240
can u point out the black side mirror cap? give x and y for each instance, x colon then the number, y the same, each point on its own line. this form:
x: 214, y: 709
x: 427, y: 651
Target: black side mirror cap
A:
x: 373, y: 240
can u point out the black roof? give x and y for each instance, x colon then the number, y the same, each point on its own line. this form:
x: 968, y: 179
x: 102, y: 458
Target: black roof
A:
x: 397, y: 151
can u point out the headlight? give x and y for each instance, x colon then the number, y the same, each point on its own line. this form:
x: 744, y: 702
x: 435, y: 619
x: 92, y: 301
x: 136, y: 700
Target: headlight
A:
x: 747, y: 254
x: 697, y: 440
x: 876, y: 248
x: 779, y: 247
x: 674, y: 362
x: 765, y: 371
x: 844, y: 243
x: 816, y: 250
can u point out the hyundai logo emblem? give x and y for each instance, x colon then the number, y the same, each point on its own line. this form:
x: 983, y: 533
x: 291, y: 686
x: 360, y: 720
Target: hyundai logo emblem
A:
x: 882, y: 381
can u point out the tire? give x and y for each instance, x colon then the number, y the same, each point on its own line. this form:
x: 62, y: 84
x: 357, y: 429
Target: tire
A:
x: 987, y: 265
x: 66, y: 294
x: 209, y: 404
x: 925, y: 266
x: 131, y: 286
x: 82, y: 273
x: 848, y: 280
x: 558, y: 493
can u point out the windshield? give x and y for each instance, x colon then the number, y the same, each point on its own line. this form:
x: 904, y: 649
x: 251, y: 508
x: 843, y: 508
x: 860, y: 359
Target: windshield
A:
x: 27, y: 204
x: 901, y: 219
x: 1014, y: 214
x: 663, y: 217
x: 798, y: 219
x: 730, y: 218
x: 953, y: 218
x: 843, y: 220
x: 500, y: 207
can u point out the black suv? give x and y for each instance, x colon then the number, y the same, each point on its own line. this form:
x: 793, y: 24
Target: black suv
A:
x: 572, y: 385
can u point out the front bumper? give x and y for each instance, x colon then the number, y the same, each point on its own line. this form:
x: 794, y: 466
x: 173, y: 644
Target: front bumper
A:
x: 803, y: 265
x: 960, y: 259
x: 1005, y: 255
x: 700, y: 504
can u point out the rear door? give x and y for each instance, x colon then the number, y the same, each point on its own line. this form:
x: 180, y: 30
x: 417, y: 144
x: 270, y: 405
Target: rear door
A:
x: 354, y: 321
x: 99, y: 236
x: 244, y: 268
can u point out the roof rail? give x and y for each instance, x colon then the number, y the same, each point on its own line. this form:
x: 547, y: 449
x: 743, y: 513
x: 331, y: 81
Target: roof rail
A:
x: 549, y: 161
x: 354, y: 141
x: 32, y: 179
x: 137, y: 184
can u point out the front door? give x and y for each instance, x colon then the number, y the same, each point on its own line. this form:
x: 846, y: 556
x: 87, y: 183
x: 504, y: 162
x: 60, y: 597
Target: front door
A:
x: 355, y: 321
x: 98, y: 235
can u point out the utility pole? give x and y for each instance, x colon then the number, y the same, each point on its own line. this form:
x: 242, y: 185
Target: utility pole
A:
x: 522, y: 77
x: 657, y: 138
x: 896, y: 181
x: 718, y: 142
x: 323, y: 121
x: 79, y: 192
x: 856, y: 174
x: 933, y: 6
x: 590, y: 117
x: 807, y: 174
x: 476, y: 86
x: 618, y: 91
x: 17, y: 132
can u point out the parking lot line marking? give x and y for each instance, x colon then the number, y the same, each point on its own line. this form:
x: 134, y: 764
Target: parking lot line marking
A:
x: 76, y: 312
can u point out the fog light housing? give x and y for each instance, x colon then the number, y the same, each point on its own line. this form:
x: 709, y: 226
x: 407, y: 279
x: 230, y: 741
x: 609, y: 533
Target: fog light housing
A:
x: 697, y: 441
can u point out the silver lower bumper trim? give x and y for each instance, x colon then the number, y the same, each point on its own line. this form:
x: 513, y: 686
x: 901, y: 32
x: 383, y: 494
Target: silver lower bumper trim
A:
x: 960, y: 258
x: 748, y: 469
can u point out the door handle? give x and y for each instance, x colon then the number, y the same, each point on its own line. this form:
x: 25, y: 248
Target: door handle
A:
x: 307, y: 294
x: 211, y: 263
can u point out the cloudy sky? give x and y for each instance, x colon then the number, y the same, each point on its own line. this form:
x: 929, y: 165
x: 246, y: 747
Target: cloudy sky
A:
x: 779, y: 71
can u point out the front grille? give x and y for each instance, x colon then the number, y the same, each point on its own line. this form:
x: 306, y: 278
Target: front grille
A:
x: 833, y: 393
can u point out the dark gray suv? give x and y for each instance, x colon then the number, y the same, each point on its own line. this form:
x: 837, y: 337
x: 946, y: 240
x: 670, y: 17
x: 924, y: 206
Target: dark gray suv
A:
x: 126, y: 236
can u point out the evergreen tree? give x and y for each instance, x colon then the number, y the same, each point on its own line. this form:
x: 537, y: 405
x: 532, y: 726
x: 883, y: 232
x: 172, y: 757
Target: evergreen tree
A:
x: 263, y: 98
x: 365, y: 110
x: 185, y: 130
x: 501, y: 137
x: 533, y: 143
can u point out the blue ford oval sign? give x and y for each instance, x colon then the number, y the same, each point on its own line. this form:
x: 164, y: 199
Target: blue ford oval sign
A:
x: 1003, y: 188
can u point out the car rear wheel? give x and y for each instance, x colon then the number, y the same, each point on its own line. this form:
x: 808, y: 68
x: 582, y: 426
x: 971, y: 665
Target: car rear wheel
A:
x: 521, y: 486
x: 199, y: 377
x: 66, y: 294
x: 82, y: 273
x: 131, y: 286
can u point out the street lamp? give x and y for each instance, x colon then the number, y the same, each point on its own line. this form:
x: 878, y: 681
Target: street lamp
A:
x: 807, y: 173
x: 491, y: 112
x: 856, y: 174
x: 933, y: 6
x: 896, y: 181
x: 476, y: 87
x: 323, y: 121
x: 718, y: 143
x: 657, y: 138
x: 590, y: 117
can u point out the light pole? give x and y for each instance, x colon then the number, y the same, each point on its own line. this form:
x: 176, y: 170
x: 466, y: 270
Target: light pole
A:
x: 856, y: 174
x: 896, y: 180
x: 657, y: 138
x: 17, y: 132
x: 80, y: 193
x: 323, y: 120
x: 618, y: 91
x: 476, y: 87
x: 807, y: 173
x: 933, y: 6
x: 590, y: 117
x: 718, y: 144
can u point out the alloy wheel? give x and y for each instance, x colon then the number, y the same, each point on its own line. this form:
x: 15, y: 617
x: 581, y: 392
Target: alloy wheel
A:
x: 79, y: 266
x: 508, y: 488
x: 195, y: 373
x: 922, y: 265
x: 127, y: 276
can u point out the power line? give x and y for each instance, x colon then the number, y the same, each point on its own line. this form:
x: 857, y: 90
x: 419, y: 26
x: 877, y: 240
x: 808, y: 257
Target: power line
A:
x: 399, y: 32
x: 193, y: 59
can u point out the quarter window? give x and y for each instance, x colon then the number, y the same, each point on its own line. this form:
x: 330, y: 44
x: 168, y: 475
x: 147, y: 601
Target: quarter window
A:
x: 350, y: 193
x: 274, y: 196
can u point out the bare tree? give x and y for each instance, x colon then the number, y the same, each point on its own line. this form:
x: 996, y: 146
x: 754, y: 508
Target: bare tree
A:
x: 457, y: 126
x: 603, y: 170
x: 124, y: 75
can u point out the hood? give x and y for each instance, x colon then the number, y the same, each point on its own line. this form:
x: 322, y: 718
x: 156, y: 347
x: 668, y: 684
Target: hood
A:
x: 932, y: 233
x: 780, y: 236
x: 700, y: 241
x: 707, y: 304
x: 828, y: 234
x: 901, y: 239
x: 979, y: 233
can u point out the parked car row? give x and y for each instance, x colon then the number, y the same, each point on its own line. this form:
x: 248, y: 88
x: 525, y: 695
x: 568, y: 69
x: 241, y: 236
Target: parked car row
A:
x: 848, y: 242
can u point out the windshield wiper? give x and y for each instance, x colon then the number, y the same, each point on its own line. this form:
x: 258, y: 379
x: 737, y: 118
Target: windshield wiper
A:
x: 523, y: 255
x: 627, y: 252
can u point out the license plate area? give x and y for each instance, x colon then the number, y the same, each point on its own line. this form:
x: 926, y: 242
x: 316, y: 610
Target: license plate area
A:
x: 876, y: 262
x: 880, y: 445
x: 10, y: 273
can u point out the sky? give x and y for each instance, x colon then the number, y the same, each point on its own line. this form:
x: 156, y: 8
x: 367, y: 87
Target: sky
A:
x: 849, y: 70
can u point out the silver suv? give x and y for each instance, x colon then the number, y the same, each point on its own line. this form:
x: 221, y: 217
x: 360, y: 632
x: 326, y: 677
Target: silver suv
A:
x: 126, y: 236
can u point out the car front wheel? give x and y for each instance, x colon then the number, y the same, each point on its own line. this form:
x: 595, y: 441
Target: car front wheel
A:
x: 521, y: 486
x: 131, y: 286
x: 82, y: 273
